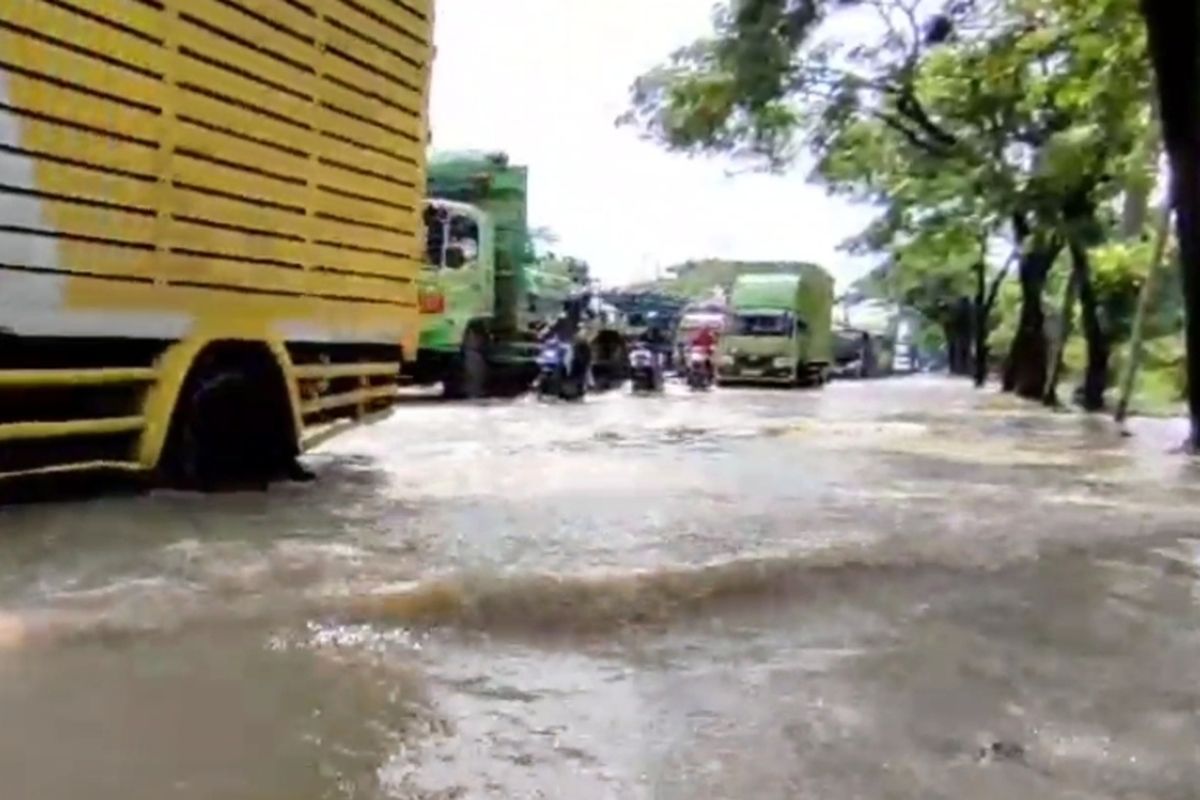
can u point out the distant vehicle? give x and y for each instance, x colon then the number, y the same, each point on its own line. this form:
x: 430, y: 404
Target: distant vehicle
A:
x: 780, y: 329
x: 859, y: 354
x: 699, y: 369
x: 556, y: 376
x: 485, y: 294
x: 696, y: 319
x: 645, y: 369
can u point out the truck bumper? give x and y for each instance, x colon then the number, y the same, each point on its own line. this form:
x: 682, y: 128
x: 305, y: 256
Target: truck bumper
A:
x: 765, y: 376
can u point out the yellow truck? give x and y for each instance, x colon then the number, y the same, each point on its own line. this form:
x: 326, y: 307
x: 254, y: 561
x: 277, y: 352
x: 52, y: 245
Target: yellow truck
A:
x: 210, y: 228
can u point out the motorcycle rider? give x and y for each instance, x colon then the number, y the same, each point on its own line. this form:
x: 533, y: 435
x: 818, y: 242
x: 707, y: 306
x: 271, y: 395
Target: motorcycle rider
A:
x: 705, y: 340
x: 568, y: 328
x: 655, y: 340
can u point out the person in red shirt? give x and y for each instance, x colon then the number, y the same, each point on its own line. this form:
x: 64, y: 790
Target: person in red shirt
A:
x: 705, y: 339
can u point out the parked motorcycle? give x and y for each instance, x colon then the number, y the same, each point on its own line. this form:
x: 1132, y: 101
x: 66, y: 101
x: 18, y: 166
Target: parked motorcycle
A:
x: 556, y: 377
x: 645, y: 370
x: 699, y: 369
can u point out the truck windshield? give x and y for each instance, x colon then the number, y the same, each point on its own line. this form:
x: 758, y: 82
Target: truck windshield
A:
x: 447, y: 230
x: 763, y: 324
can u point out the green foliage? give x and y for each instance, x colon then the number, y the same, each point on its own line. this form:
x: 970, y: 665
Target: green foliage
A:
x: 1017, y: 119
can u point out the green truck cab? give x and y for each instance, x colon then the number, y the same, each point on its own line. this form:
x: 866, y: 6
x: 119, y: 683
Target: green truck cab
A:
x: 779, y: 329
x: 485, y: 295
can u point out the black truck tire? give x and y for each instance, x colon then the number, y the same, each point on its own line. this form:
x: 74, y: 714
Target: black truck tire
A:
x: 227, y: 434
x: 468, y: 375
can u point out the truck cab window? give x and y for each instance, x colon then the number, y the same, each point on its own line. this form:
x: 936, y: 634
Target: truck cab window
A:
x: 435, y: 236
x: 463, y: 239
x: 763, y: 324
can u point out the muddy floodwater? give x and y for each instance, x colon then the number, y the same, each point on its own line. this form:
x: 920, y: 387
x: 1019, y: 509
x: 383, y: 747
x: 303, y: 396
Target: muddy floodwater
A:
x: 898, y: 589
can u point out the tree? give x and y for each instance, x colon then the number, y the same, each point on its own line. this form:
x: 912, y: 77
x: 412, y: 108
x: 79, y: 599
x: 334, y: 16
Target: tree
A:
x: 1174, y: 28
x: 1011, y: 114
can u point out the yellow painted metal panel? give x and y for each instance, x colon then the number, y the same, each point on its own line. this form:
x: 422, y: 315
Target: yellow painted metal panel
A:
x: 134, y: 14
x: 217, y: 273
x: 253, y: 95
x: 40, y: 137
x: 83, y: 466
x: 83, y: 32
x: 365, y: 80
x: 414, y: 16
x: 74, y: 377
x: 88, y: 184
x: 330, y: 371
x: 239, y: 56
x: 62, y: 217
x: 193, y: 238
x: 200, y: 172
x: 81, y: 110
x: 236, y: 149
x: 348, y: 399
x: 226, y: 277
x: 285, y: 35
x: 74, y: 68
x: 379, y: 45
x: 336, y: 258
x: 16, y: 431
x: 184, y: 203
x: 374, y: 213
x: 285, y: 15
x: 355, y: 102
x: 374, y: 239
x: 257, y: 153
x: 347, y: 167
x: 245, y: 120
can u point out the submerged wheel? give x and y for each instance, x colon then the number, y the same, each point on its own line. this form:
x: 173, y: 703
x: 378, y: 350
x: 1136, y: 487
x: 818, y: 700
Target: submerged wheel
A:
x: 468, y: 377
x: 231, y: 429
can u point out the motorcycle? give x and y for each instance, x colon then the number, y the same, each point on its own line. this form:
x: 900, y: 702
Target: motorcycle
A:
x: 555, y: 378
x: 699, y: 369
x: 645, y: 372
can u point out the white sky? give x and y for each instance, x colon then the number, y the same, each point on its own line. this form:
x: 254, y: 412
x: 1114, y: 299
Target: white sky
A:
x: 545, y: 80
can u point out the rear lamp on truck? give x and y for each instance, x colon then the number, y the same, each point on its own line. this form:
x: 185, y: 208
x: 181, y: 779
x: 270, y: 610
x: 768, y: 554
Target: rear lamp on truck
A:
x: 431, y: 302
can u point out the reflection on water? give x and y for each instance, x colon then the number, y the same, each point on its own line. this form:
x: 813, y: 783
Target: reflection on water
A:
x: 899, y: 589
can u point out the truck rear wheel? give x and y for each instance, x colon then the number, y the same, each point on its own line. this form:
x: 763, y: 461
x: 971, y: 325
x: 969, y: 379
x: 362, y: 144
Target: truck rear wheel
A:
x: 468, y: 376
x: 231, y: 428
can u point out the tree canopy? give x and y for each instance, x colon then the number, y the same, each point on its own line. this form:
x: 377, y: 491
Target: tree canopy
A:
x: 975, y: 127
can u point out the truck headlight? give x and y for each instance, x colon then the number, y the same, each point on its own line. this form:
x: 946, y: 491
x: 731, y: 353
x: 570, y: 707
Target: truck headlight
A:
x: 782, y: 362
x: 725, y: 361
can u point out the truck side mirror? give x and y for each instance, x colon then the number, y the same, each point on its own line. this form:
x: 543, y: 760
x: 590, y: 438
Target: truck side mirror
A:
x: 455, y: 258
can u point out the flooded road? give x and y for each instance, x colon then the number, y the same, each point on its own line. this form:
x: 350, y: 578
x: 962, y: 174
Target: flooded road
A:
x: 891, y: 590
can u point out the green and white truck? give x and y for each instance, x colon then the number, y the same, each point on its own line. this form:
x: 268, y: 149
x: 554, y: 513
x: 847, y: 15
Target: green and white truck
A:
x: 485, y: 294
x: 779, y: 330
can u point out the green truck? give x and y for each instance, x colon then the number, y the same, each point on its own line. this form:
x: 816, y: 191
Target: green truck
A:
x: 485, y: 295
x: 780, y: 329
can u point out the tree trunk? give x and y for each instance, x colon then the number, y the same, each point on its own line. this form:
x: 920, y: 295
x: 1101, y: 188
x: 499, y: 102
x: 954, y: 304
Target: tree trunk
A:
x: 982, y: 330
x: 1028, y: 359
x: 1095, y: 377
x: 958, y: 347
x: 1174, y: 28
x: 1129, y: 377
x: 1066, y: 322
x: 979, y: 326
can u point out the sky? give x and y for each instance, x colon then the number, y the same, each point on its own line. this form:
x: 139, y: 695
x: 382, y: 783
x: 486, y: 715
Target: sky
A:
x: 545, y: 80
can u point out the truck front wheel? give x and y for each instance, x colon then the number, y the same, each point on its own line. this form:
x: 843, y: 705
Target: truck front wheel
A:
x: 231, y: 428
x: 468, y: 376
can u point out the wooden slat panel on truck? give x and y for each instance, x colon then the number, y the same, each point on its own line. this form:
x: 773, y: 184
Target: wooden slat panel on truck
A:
x: 265, y: 148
